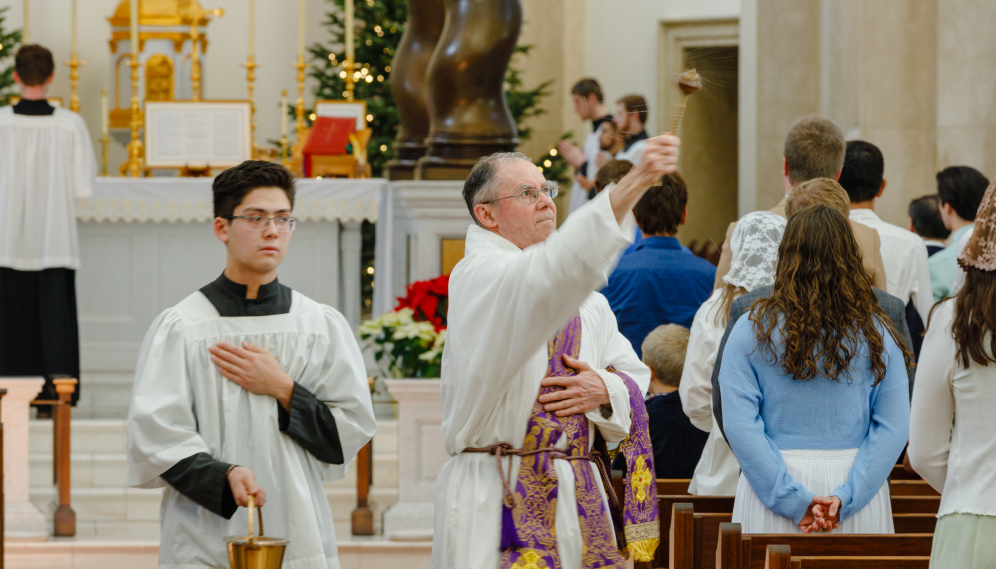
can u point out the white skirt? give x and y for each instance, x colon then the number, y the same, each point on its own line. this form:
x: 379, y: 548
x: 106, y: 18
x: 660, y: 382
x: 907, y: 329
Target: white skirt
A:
x: 820, y: 472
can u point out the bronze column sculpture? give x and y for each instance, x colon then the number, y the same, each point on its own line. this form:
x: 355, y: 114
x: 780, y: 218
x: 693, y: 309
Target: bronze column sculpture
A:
x: 422, y: 32
x: 469, y: 116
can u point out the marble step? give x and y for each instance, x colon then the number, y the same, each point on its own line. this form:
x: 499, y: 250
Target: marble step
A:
x: 109, y: 470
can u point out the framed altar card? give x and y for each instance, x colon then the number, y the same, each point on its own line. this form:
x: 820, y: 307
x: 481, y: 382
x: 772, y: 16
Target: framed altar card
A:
x: 215, y: 134
x: 343, y: 108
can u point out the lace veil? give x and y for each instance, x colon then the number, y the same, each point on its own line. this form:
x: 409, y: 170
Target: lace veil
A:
x: 980, y: 251
x: 754, y: 244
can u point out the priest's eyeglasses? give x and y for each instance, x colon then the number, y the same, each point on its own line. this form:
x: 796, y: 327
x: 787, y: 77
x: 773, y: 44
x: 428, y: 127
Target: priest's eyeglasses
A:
x: 284, y: 224
x: 529, y: 194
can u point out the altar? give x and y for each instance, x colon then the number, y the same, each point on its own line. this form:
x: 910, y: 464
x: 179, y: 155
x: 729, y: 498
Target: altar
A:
x: 147, y: 243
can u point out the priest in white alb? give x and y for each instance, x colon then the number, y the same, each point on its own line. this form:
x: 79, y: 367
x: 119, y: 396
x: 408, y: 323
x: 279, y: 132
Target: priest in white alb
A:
x: 247, y: 387
x: 536, y: 379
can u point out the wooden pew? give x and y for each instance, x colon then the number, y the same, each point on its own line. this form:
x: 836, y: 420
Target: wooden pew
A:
x: 672, y: 487
x: 916, y: 504
x: 737, y: 551
x: 700, y: 504
x: 780, y: 557
x: 912, y: 488
x: 914, y: 523
x: 899, y: 473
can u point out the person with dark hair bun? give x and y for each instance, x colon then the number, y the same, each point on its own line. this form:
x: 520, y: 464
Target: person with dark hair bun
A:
x: 925, y: 220
x: 247, y: 388
x: 959, y: 191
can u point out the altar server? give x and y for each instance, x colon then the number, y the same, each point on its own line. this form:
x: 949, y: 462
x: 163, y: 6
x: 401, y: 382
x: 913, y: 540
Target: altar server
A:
x: 248, y: 387
x: 46, y: 162
x: 534, y: 363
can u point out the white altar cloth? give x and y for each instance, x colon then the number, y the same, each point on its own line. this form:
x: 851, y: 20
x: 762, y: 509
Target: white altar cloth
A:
x: 186, y: 200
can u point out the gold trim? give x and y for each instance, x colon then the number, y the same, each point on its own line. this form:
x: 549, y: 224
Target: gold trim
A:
x: 159, y: 78
x: 643, y: 550
x: 178, y: 39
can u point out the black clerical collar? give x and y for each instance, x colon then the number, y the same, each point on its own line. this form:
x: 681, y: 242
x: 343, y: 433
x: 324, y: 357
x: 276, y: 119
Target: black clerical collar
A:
x: 229, y: 298
x: 598, y: 122
x: 634, y: 138
x: 38, y: 107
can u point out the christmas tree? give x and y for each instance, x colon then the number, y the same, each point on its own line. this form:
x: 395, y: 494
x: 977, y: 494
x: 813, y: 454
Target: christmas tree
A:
x: 379, y: 25
x: 8, y: 47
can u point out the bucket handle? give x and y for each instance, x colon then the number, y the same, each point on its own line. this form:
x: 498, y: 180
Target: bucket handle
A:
x: 252, y: 508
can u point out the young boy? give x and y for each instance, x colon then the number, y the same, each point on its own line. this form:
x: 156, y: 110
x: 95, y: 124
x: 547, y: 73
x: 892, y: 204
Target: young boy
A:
x: 247, y: 388
x: 677, y: 443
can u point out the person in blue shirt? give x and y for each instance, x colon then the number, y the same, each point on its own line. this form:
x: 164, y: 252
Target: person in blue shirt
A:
x: 815, y: 390
x: 659, y: 283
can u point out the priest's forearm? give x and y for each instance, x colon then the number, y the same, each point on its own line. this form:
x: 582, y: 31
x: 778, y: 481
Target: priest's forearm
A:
x: 310, y: 423
x: 204, y: 480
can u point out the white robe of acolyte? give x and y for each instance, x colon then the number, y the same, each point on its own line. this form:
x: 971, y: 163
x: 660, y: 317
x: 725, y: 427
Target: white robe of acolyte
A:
x: 46, y: 162
x: 181, y: 405
x: 504, y: 305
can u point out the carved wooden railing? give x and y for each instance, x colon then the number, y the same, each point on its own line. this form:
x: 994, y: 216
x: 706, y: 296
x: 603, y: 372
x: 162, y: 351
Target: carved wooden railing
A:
x: 363, y: 521
x: 65, y: 517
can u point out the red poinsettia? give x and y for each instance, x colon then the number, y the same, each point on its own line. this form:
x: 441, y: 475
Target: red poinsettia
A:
x: 428, y: 299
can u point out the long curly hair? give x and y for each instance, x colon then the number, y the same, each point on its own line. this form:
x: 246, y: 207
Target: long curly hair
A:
x: 823, y: 302
x: 975, y: 318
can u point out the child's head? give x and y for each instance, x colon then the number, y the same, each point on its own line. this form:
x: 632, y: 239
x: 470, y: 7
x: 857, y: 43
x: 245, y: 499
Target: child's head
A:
x: 664, y: 353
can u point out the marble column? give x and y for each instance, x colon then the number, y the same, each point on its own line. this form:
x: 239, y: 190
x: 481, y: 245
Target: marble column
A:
x: 22, y: 519
x: 469, y: 117
x: 408, y: 84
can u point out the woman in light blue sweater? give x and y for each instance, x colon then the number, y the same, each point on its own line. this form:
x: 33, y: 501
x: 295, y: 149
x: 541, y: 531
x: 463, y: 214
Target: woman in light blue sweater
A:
x: 815, y: 390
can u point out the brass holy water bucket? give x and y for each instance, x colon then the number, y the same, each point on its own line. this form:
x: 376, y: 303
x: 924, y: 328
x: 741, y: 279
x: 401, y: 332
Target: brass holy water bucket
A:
x: 255, y: 551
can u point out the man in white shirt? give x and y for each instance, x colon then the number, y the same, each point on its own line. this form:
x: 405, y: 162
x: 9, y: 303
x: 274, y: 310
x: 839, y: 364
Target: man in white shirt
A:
x: 907, y: 273
x: 589, y: 105
x: 522, y: 293
x: 46, y: 162
x: 631, y: 122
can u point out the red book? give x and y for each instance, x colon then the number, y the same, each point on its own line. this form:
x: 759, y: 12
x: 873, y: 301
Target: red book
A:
x: 329, y: 137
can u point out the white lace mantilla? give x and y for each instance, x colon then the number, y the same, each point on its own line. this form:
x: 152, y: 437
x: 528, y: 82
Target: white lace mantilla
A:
x: 186, y: 200
x: 754, y: 244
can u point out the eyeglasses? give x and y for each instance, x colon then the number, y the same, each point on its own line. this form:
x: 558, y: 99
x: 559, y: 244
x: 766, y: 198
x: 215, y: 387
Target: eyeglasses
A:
x: 284, y: 224
x: 530, y: 194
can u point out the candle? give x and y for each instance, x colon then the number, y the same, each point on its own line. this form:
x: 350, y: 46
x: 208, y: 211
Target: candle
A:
x: 74, y: 26
x: 103, y: 112
x: 133, y: 5
x: 350, y: 54
x: 26, y: 32
x: 300, y: 29
x: 252, y: 24
x: 283, y: 114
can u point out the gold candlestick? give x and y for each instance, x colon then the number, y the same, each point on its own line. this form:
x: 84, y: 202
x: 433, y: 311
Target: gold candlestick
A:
x: 349, y: 66
x: 136, y: 158
x: 74, y: 79
x: 299, y: 109
x: 195, y: 15
x: 283, y: 152
x: 104, y: 141
x: 251, y: 66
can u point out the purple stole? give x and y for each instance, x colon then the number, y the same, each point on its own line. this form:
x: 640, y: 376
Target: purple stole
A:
x: 529, y: 528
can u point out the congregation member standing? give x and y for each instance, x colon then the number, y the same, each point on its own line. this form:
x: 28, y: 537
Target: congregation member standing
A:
x: 659, y: 283
x: 952, y: 434
x: 907, y: 273
x: 755, y: 256
x: 814, y: 148
x: 959, y: 190
x: 631, y: 123
x: 925, y: 220
x: 815, y: 390
x: 247, y: 387
x: 589, y: 105
x: 534, y: 363
x: 46, y: 163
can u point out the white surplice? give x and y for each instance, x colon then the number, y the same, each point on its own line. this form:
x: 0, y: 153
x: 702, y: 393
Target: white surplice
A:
x: 46, y: 162
x: 592, y: 148
x: 717, y: 472
x: 181, y: 405
x: 504, y: 305
x: 904, y: 254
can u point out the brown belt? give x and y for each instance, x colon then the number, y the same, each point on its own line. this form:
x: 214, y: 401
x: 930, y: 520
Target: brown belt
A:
x: 498, y: 450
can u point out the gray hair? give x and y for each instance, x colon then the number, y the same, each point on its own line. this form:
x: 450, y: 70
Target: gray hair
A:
x: 482, y: 183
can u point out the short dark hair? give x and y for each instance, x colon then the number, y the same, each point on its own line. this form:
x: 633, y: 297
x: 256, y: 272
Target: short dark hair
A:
x: 634, y: 103
x: 587, y: 86
x: 861, y: 176
x: 233, y: 185
x: 814, y: 148
x: 659, y: 210
x: 925, y: 213
x: 611, y: 173
x: 34, y: 64
x: 963, y: 188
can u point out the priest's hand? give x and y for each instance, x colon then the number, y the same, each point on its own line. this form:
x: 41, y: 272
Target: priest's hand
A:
x: 582, y: 393
x: 253, y: 369
x: 571, y: 153
x: 243, y: 483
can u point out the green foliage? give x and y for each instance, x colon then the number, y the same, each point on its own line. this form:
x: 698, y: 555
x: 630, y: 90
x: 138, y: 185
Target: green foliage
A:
x: 9, y: 42
x: 379, y: 25
x: 554, y: 167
